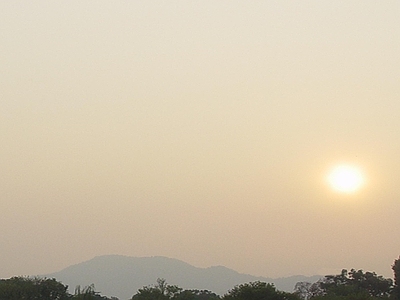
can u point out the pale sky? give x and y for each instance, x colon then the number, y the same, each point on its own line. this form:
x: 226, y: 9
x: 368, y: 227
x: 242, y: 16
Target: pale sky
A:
x: 199, y: 130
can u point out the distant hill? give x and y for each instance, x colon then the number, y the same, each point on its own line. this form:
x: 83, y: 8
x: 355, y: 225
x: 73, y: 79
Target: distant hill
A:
x: 121, y: 276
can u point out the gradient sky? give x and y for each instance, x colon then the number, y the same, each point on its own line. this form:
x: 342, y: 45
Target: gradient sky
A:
x: 199, y: 130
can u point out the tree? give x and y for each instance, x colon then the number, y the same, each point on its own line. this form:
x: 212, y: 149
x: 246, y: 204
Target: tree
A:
x: 196, y: 295
x: 354, y: 284
x: 308, y: 290
x: 375, y: 285
x: 257, y: 291
x: 32, y: 288
x: 396, y: 276
x: 164, y: 291
x: 89, y: 293
x: 161, y: 291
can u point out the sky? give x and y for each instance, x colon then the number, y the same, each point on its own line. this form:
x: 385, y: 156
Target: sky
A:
x: 199, y: 130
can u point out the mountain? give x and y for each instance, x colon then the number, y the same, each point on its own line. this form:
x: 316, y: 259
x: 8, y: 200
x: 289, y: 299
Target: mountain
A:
x: 121, y: 276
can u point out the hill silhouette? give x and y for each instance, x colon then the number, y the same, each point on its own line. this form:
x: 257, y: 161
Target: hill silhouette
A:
x: 121, y: 276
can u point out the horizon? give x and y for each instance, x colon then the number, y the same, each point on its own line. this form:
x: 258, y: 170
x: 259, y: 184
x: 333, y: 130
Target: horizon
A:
x: 120, y: 275
x: 155, y: 256
x: 175, y: 259
x: 259, y: 136
x: 333, y: 272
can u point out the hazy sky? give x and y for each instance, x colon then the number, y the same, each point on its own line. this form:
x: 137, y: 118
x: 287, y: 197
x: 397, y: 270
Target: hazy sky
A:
x: 199, y: 130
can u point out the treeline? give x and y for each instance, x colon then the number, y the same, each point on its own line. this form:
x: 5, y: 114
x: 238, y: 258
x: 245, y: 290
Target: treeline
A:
x: 36, y: 288
x: 352, y: 285
x: 348, y: 285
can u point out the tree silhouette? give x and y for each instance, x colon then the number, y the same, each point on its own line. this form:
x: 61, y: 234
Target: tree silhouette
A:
x: 396, y: 277
x: 257, y: 291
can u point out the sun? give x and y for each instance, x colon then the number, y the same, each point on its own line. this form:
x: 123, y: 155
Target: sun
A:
x: 346, y: 179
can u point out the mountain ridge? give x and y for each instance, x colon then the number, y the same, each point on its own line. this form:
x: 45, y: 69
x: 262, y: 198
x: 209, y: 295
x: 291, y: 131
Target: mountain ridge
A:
x: 122, y: 276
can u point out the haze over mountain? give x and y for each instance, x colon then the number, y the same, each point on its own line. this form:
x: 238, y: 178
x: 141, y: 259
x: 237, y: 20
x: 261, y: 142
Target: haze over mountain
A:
x: 122, y: 276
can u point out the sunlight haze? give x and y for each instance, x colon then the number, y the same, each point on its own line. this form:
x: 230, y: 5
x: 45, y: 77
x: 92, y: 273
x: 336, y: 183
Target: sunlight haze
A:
x: 346, y: 179
x: 199, y: 130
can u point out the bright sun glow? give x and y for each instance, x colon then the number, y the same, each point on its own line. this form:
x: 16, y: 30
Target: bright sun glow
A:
x: 346, y: 179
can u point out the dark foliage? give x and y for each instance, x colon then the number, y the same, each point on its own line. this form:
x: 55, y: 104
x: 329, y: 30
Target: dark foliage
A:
x: 257, y: 291
x: 396, y: 276
x: 351, y: 285
x: 36, y: 288
x: 26, y: 288
x: 164, y: 291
